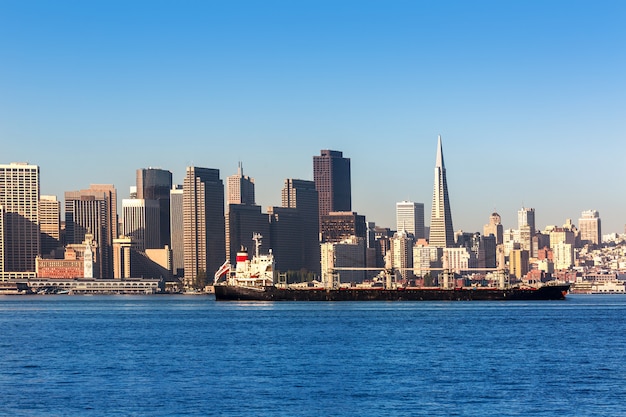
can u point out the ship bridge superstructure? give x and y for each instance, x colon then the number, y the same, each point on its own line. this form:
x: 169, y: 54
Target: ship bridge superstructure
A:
x: 257, y: 272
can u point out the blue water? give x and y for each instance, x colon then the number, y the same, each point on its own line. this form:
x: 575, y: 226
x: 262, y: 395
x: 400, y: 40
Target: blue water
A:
x: 192, y: 356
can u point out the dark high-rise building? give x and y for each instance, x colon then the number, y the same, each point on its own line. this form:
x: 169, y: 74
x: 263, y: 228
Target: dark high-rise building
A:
x: 294, y: 228
x: 482, y: 249
x: 243, y: 216
x: 203, y: 223
x: 302, y: 196
x: 242, y: 222
x: 93, y: 211
x: 285, y: 230
x: 487, y: 254
x: 331, y: 173
x: 177, y: 231
x: 377, y: 245
x: 540, y: 241
x: 337, y: 226
x: 441, y: 232
x: 141, y: 222
x: 155, y: 184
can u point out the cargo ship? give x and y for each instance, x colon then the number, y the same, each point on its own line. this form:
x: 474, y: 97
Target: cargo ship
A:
x: 253, y: 280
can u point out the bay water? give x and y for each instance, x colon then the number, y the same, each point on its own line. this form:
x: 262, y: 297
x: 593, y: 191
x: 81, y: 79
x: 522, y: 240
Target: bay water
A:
x: 193, y: 356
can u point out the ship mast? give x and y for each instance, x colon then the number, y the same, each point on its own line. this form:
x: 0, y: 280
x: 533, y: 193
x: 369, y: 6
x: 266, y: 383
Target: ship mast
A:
x: 257, y: 242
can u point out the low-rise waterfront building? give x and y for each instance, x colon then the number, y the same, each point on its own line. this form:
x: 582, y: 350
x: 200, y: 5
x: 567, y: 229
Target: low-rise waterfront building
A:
x: 79, y: 261
x: 97, y: 286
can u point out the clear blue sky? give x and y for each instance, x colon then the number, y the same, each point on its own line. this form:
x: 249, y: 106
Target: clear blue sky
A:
x: 529, y: 97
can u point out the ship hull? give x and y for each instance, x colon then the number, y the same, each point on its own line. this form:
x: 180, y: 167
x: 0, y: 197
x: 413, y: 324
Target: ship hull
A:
x: 235, y: 293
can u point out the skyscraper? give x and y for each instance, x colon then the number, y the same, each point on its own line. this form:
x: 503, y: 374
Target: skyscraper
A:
x: 302, y: 196
x: 110, y: 194
x: 177, y: 231
x: 590, y: 227
x: 155, y: 184
x: 2, y: 245
x: 240, y: 188
x: 341, y: 225
x: 410, y: 218
x: 19, y: 197
x: 93, y: 211
x: 331, y: 173
x: 285, y: 230
x: 526, y: 217
x: 242, y: 222
x: 203, y: 223
x: 526, y: 229
x: 402, y: 253
x: 142, y: 222
x: 519, y: 263
x: 441, y: 232
x: 495, y: 228
x: 243, y: 217
x: 49, y: 223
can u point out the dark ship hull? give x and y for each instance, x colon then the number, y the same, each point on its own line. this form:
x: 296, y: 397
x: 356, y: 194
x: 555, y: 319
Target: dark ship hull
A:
x: 272, y: 293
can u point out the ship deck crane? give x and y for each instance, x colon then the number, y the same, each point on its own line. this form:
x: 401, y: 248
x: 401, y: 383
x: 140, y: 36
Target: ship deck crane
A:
x: 390, y: 272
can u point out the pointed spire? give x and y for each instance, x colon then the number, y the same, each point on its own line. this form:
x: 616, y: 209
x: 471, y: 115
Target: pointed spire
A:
x: 441, y: 231
x: 439, y: 162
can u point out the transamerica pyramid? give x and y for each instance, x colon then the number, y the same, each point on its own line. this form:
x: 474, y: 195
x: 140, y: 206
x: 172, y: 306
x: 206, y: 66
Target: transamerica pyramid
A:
x: 441, y: 232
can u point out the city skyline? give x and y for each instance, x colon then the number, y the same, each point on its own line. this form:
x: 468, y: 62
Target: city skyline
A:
x: 527, y: 97
x: 91, y: 217
x: 512, y: 223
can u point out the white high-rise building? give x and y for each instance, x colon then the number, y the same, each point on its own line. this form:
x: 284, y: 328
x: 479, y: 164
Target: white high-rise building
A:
x: 590, y: 228
x: 456, y: 259
x: 424, y: 258
x: 410, y: 218
x: 526, y: 217
x: 402, y: 254
x: 525, y: 238
x: 563, y: 255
